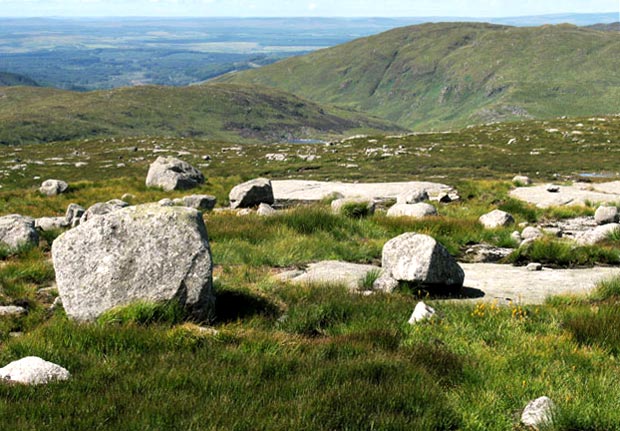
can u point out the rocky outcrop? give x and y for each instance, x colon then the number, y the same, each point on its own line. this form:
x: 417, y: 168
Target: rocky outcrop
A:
x: 17, y: 231
x: 142, y: 253
x: 53, y: 187
x: 418, y: 210
x: 169, y: 173
x: 495, y: 219
x: 251, y: 193
x: 420, y: 260
x: 33, y: 370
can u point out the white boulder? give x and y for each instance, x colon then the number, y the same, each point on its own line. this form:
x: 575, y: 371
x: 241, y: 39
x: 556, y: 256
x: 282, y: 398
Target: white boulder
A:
x: 33, y: 370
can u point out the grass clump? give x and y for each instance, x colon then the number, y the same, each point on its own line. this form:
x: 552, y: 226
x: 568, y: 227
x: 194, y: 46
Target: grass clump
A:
x: 607, y: 289
x: 564, y: 254
x: 356, y: 209
x: 145, y: 313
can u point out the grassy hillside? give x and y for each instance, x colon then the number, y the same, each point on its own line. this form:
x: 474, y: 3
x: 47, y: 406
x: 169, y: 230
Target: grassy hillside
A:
x: 13, y: 79
x: 217, y: 111
x: 455, y: 74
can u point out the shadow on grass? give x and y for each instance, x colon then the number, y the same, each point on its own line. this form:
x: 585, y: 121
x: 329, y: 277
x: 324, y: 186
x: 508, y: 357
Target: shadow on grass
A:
x: 233, y: 305
x: 441, y: 291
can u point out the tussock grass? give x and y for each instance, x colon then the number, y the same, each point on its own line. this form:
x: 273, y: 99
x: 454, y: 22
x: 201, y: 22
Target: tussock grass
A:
x: 564, y: 254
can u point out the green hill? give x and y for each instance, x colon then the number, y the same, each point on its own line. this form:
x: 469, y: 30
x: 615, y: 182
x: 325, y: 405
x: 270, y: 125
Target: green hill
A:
x: 12, y: 79
x: 216, y: 111
x: 455, y: 74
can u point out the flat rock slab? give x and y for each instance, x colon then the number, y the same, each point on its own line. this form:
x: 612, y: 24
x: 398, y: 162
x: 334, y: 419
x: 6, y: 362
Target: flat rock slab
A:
x: 308, y: 191
x: 577, y: 194
x: 483, y: 282
x: 348, y: 274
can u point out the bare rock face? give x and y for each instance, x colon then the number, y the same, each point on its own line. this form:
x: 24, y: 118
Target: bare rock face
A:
x: 419, y: 259
x: 17, y: 230
x: 605, y: 215
x: 496, y: 218
x: 32, y: 370
x: 417, y: 210
x: 53, y: 187
x: 538, y: 413
x: 141, y: 253
x: 169, y: 173
x: 252, y: 193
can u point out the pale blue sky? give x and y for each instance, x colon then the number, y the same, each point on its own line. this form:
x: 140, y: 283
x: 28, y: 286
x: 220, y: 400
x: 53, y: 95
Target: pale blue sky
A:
x: 273, y: 8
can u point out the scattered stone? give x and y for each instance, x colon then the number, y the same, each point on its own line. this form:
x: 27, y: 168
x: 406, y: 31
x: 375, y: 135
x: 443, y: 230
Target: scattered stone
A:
x: 606, y: 215
x: 166, y: 202
x: 200, y: 202
x: 47, y: 224
x: 169, y: 173
x: 385, y: 283
x: 251, y: 194
x: 419, y: 210
x: 552, y: 188
x: 33, y: 370
x: 413, y: 196
x: 598, y: 234
x: 245, y: 212
x: 17, y: 230
x: 146, y: 252
x: 339, y: 205
x: 12, y: 310
x: 421, y: 312
x: 265, y: 210
x: 531, y: 233
x: 538, y: 413
x: 419, y: 259
x: 534, y: 267
x: 522, y: 180
x: 516, y: 237
x: 53, y: 187
x: 102, y: 208
x: 484, y: 253
x: 73, y: 214
x: 495, y: 219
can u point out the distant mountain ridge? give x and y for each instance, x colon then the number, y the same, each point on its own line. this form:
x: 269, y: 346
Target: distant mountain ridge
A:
x: 438, y: 76
x: 614, y: 26
x: 227, y: 112
x: 13, y: 79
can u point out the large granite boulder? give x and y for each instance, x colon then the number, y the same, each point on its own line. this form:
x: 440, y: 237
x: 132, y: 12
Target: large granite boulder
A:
x: 33, y: 370
x: 496, y: 218
x: 17, y: 230
x: 53, y: 187
x: 418, y: 210
x: 252, y: 193
x: 169, y: 173
x: 420, y: 260
x: 141, y: 253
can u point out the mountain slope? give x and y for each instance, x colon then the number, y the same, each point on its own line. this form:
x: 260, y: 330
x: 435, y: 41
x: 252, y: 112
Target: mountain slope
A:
x: 12, y: 79
x: 216, y: 111
x: 454, y: 74
x: 615, y: 26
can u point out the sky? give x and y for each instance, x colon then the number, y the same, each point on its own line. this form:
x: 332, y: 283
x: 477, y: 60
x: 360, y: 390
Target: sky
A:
x: 311, y: 8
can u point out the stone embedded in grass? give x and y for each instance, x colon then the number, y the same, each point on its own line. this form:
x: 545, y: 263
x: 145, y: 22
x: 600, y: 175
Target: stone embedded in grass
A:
x: 53, y: 187
x: 265, y: 210
x: 538, y: 413
x: 200, y: 202
x: 413, y: 196
x: 531, y: 233
x: 17, y: 231
x: 485, y: 253
x: 419, y: 210
x: 419, y: 259
x: 495, y: 219
x: 251, y: 194
x: 170, y: 173
x: 606, y: 215
x: 421, y: 312
x: 599, y: 234
x: 353, y: 207
x: 522, y: 180
x: 12, y: 310
x: 142, y: 253
x: 33, y: 370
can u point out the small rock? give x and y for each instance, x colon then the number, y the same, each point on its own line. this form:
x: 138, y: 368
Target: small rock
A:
x: 531, y: 233
x: 102, y: 208
x: 12, y: 310
x: 552, y: 188
x: 495, y: 219
x: 522, y: 180
x: 17, y: 230
x: 516, y: 236
x: 53, y: 187
x: 538, y: 413
x: 166, y: 202
x: 265, y: 210
x: 412, y: 197
x: 606, y: 215
x: 169, y: 173
x: 533, y: 267
x: 200, y: 202
x: 419, y: 210
x: 33, y: 370
x: 598, y: 234
x: 251, y: 194
x: 47, y: 224
x: 420, y: 313
x: 73, y: 214
x: 385, y: 284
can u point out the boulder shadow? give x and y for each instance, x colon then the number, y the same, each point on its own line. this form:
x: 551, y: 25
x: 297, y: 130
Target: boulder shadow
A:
x: 442, y: 291
x: 233, y: 305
